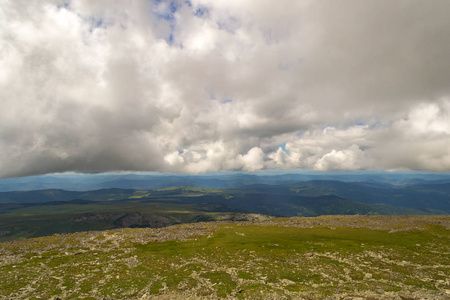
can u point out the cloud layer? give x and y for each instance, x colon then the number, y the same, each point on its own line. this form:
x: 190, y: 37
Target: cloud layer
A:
x: 203, y: 85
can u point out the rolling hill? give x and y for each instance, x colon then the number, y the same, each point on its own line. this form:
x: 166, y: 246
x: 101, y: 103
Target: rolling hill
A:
x: 26, y: 214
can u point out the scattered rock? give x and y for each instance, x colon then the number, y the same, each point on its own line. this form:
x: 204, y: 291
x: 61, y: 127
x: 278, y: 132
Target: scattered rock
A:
x: 119, y: 247
x: 286, y: 282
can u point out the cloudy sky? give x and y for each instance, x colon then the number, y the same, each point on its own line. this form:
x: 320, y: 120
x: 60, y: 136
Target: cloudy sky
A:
x: 215, y: 85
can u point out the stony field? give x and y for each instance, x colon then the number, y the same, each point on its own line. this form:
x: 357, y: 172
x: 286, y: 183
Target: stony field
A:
x: 328, y: 257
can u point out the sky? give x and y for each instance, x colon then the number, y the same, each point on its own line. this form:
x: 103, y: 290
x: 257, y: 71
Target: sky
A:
x: 224, y: 85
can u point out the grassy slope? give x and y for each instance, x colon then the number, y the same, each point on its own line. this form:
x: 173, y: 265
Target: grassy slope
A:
x: 48, y: 218
x: 40, y: 196
x: 314, y: 258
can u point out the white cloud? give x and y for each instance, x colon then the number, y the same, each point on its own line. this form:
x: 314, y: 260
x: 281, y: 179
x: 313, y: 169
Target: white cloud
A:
x: 99, y: 85
x: 351, y: 158
x: 253, y: 160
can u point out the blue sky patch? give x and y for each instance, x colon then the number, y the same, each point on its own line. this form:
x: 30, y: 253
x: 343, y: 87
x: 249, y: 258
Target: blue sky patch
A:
x: 201, y: 12
x: 65, y: 5
x: 174, y: 7
x: 229, y: 23
x: 165, y: 10
x: 168, y: 14
x: 96, y: 23
x: 283, y: 147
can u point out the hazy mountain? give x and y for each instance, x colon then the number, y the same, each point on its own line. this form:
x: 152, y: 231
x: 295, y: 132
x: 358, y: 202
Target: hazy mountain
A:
x: 48, y: 211
x: 88, y: 182
x: 279, y: 199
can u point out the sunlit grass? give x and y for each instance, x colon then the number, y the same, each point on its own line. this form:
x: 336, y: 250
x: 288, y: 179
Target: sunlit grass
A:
x: 241, y: 261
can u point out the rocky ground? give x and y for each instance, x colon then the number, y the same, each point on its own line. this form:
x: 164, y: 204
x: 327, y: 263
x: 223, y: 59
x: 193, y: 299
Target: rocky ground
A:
x: 329, y: 257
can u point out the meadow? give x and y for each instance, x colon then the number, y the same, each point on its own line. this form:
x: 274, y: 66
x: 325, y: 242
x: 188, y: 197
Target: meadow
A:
x: 373, y: 257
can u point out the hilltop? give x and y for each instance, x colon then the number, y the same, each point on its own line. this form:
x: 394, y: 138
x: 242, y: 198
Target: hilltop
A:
x: 328, y: 257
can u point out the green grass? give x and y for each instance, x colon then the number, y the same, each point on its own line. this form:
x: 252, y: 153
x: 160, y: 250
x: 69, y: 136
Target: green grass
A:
x: 232, y: 260
x: 276, y: 247
x: 187, y: 189
x: 140, y: 194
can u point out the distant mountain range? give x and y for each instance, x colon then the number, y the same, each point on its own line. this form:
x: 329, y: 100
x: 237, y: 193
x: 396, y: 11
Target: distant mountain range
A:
x: 47, y: 211
x: 89, y: 182
x: 281, y: 200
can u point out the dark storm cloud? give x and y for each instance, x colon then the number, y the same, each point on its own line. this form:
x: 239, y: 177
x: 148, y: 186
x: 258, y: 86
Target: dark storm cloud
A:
x: 342, y: 85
